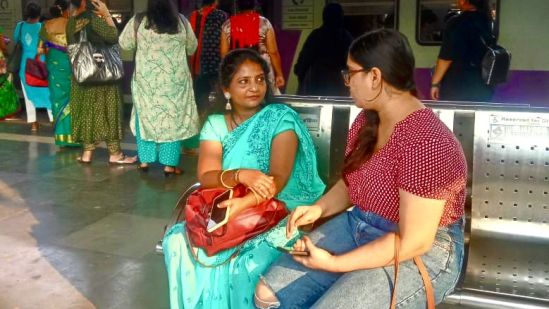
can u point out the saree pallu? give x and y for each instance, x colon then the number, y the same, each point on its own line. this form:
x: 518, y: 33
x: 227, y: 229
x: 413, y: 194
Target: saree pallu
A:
x: 9, y: 101
x: 59, y: 79
x: 231, y: 285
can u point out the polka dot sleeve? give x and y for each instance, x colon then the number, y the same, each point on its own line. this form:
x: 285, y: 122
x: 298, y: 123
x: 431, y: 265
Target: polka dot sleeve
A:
x: 430, y: 169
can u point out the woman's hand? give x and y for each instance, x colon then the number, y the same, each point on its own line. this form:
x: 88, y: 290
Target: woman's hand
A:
x: 237, y: 205
x: 302, y: 215
x: 263, y: 185
x: 435, y: 93
x: 318, y: 258
x: 279, y: 81
x: 101, y: 8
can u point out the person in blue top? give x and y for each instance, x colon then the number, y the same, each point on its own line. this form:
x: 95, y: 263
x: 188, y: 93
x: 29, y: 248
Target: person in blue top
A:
x: 27, y: 32
x: 265, y: 147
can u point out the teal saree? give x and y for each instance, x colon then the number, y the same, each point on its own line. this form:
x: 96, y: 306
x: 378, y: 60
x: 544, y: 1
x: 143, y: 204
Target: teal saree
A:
x: 59, y: 79
x: 232, y: 284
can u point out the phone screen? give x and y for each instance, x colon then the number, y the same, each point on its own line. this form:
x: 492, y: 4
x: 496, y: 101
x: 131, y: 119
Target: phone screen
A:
x: 218, y: 214
x: 291, y: 251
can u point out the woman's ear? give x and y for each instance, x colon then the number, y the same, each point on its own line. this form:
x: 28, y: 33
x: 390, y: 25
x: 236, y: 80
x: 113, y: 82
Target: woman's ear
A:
x: 376, y: 77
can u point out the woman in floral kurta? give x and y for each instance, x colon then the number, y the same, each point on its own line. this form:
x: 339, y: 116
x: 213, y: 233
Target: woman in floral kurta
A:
x: 164, y: 109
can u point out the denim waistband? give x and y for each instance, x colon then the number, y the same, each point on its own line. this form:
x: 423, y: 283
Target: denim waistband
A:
x: 382, y: 223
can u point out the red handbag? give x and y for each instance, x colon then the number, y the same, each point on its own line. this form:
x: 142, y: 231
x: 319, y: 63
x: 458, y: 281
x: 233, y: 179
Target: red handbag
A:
x: 36, y: 73
x: 248, y: 224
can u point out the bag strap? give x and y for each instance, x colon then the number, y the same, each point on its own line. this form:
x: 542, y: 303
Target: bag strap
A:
x: 83, y: 35
x: 136, y: 23
x: 194, y: 253
x: 429, y: 292
x: 21, y: 24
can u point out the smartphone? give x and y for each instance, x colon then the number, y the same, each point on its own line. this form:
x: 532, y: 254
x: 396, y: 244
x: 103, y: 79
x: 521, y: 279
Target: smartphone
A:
x: 292, y: 251
x: 219, y: 216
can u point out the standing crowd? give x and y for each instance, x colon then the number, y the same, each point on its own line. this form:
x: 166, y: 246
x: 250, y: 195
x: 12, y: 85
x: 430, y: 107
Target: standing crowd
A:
x: 404, y: 173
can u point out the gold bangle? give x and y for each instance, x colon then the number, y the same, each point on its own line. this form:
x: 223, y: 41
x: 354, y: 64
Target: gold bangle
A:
x: 221, y: 179
x: 255, y: 195
x: 236, y: 173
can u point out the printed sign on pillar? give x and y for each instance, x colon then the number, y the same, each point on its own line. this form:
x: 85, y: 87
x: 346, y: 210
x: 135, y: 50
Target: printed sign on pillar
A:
x: 297, y: 14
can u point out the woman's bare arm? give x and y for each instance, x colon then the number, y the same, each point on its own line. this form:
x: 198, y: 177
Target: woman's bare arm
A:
x: 419, y: 220
x: 223, y: 44
x: 272, y: 49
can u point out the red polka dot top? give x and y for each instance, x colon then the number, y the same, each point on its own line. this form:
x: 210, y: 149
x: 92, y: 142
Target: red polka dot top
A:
x: 422, y: 157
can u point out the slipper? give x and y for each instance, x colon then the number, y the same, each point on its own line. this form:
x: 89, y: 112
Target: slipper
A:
x: 124, y: 160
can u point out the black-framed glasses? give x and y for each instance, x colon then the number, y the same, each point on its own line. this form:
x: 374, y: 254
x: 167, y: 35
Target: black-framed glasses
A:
x: 347, y: 74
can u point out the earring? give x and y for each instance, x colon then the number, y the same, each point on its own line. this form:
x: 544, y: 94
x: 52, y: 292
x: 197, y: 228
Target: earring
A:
x: 228, y: 104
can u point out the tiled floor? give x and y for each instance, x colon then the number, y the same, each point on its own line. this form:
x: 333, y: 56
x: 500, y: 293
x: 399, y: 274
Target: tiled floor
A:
x: 80, y: 236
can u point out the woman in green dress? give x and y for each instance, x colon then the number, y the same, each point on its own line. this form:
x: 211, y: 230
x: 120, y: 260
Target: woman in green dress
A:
x: 96, y: 110
x: 8, y: 97
x: 54, y: 44
x: 265, y: 147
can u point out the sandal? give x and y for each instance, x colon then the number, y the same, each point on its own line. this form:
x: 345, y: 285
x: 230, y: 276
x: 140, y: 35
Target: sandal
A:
x: 175, y: 171
x: 79, y: 160
x: 124, y: 160
x: 143, y: 167
x: 82, y: 161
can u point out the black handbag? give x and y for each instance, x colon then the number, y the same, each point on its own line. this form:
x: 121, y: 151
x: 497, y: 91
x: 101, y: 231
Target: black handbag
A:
x: 14, y: 60
x: 95, y: 64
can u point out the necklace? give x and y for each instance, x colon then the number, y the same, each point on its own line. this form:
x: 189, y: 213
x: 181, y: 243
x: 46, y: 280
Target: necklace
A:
x: 233, y: 120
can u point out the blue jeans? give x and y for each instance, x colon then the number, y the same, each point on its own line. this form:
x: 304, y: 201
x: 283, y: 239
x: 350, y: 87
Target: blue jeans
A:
x: 299, y: 287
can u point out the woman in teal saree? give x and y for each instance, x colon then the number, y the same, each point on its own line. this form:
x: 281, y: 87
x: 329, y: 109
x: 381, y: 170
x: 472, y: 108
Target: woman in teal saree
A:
x: 264, y: 147
x: 53, y: 39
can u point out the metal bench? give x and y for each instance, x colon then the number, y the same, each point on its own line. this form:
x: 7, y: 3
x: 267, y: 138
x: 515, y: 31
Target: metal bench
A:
x: 507, y: 151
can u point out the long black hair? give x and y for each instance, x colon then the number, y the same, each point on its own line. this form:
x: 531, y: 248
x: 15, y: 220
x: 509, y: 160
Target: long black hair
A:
x: 59, y: 6
x: 162, y: 16
x: 245, y: 5
x: 390, y: 52
x: 482, y: 6
x: 89, y: 5
x: 230, y: 64
x: 333, y: 15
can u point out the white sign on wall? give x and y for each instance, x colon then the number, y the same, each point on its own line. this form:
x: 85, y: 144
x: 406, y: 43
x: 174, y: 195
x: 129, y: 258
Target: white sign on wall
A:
x: 7, y: 14
x: 297, y: 14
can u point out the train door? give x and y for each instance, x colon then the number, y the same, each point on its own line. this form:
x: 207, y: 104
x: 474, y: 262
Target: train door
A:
x: 365, y: 15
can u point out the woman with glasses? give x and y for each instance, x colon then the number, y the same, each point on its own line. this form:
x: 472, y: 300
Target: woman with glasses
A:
x: 404, y: 173
x: 265, y: 147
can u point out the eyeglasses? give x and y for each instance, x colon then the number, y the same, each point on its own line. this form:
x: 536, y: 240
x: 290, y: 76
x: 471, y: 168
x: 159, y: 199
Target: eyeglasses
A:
x: 347, y: 74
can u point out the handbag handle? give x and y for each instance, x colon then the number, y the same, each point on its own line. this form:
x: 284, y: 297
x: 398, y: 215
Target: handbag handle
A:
x: 429, y: 292
x: 195, y: 255
x: 83, y: 35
